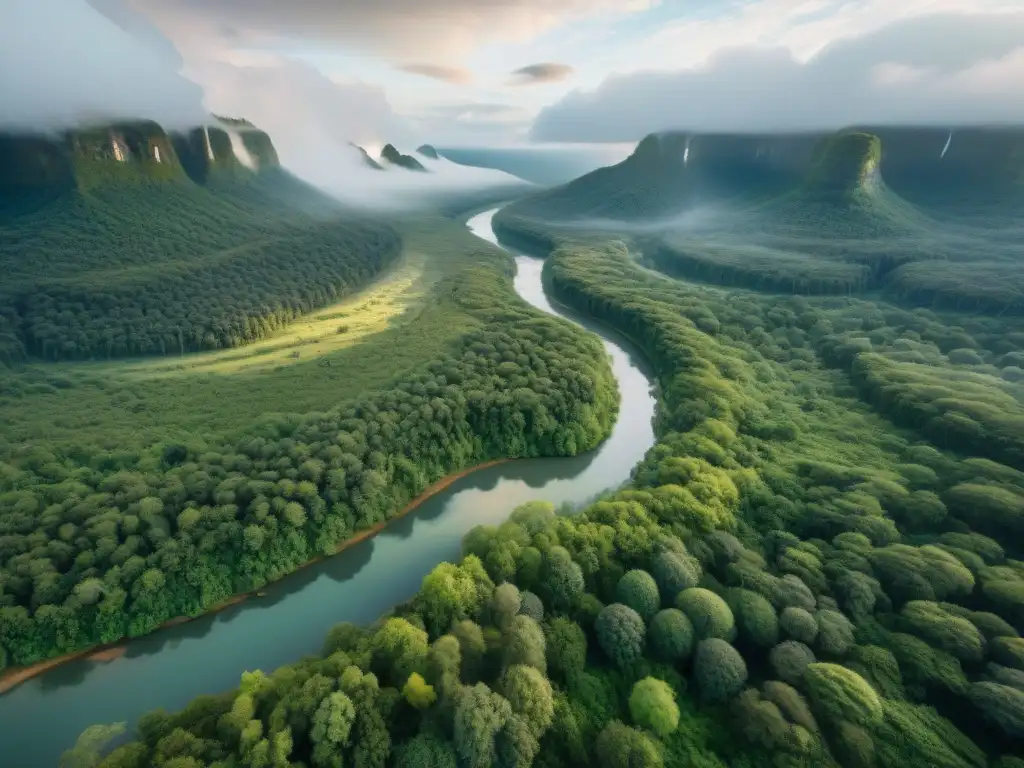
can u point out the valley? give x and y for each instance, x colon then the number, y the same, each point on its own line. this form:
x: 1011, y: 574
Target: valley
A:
x: 766, y: 501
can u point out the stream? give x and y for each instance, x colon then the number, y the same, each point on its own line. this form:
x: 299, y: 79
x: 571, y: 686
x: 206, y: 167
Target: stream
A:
x: 44, y: 716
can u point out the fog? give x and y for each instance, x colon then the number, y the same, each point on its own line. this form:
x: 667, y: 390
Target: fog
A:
x: 940, y: 69
x: 346, y: 176
x: 62, y: 63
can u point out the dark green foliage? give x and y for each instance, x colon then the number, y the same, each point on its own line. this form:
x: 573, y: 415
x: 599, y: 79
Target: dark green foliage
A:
x: 619, y: 746
x: 531, y: 605
x: 838, y: 694
x: 756, y: 621
x: 799, y: 625
x: 620, y: 633
x: 670, y: 636
x: 719, y: 670
x: 918, y: 737
x: 790, y: 659
x: 1008, y: 651
x: 951, y: 633
x: 674, y: 572
x: 1002, y: 705
x: 638, y: 590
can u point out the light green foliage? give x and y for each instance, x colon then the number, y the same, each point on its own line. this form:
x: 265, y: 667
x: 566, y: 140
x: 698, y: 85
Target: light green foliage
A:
x: 619, y: 746
x: 799, y: 625
x: 951, y: 633
x: 879, y: 667
x: 709, y: 614
x: 670, y: 636
x: 505, y: 603
x: 448, y: 594
x: 530, y: 695
x: 790, y: 659
x: 417, y: 692
x: 652, y: 704
x: 719, y: 670
x: 479, y: 714
x: 638, y: 590
x: 841, y: 694
x: 332, y: 727
x: 755, y: 617
x: 620, y: 633
x: 525, y: 644
x: 400, y: 648
x: 791, y: 704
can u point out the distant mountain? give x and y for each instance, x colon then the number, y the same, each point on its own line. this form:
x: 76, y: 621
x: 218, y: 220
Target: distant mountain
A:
x: 428, y: 151
x: 367, y: 159
x: 393, y: 156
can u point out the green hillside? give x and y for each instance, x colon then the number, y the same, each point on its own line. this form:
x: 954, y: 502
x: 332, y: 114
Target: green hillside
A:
x: 138, y: 243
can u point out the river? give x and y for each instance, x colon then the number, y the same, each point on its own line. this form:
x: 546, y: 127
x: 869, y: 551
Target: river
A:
x: 42, y: 717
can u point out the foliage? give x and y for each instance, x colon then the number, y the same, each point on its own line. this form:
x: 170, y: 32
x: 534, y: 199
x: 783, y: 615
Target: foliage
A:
x: 670, y: 636
x: 719, y: 669
x: 620, y: 633
x: 652, y: 704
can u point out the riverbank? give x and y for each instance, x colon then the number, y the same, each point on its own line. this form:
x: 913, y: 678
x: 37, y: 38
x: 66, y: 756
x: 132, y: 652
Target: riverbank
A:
x: 15, y: 676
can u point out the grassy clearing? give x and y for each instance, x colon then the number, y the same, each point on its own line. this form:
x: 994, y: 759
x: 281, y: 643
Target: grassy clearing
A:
x: 394, y: 325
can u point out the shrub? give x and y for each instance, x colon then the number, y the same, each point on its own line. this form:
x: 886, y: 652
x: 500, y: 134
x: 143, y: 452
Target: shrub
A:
x: 652, y: 704
x: 619, y: 746
x: 755, y: 618
x: 719, y: 670
x: 799, y: 624
x: 1000, y: 704
x: 709, y: 614
x: 1009, y: 651
x: 835, y: 633
x: 841, y: 694
x: 670, y: 635
x: 620, y: 633
x: 951, y: 633
x: 789, y: 659
x: 531, y: 605
x: 638, y: 590
x: 675, y: 572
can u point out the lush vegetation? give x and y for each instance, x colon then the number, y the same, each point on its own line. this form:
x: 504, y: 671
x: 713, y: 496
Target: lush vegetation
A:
x: 168, y: 267
x: 818, y: 564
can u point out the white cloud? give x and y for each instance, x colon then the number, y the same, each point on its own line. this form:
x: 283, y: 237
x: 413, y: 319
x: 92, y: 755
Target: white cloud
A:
x: 906, y: 71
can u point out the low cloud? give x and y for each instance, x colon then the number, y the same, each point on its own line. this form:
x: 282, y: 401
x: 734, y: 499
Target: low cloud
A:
x: 545, y: 72
x: 62, y: 63
x: 452, y: 75
x: 944, y: 69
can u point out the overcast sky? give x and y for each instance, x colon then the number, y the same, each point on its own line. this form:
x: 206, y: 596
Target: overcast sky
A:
x: 503, y: 71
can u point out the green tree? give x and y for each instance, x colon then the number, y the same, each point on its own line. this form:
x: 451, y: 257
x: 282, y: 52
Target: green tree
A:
x: 709, y: 614
x: 652, y: 705
x: 417, y: 692
x: 638, y: 590
x: 719, y: 670
x: 841, y: 694
x: 620, y: 633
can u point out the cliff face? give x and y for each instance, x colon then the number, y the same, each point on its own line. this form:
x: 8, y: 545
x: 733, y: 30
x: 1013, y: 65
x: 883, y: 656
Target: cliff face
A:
x: 126, y: 151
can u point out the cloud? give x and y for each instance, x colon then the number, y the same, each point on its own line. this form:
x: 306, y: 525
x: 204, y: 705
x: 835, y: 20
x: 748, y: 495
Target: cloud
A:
x: 453, y: 75
x: 61, y: 62
x: 433, y: 29
x: 545, y: 72
x: 947, y: 69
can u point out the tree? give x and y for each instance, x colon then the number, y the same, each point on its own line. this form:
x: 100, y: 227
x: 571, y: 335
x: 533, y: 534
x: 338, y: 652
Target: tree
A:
x: 799, y: 624
x: 479, y: 714
x: 619, y: 746
x: 951, y: 633
x: 841, y: 694
x: 638, y: 590
x: 755, y: 618
x: 620, y: 633
x: 90, y: 744
x: 448, y: 594
x: 525, y: 644
x: 566, y: 648
x: 426, y: 751
x: 417, y: 692
x: 789, y: 659
x: 652, y: 704
x: 709, y: 614
x: 531, y: 697
x: 719, y: 670
x: 562, y: 580
x: 1000, y: 704
x: 670, y: 636
x: 531, y: 606
x: 675, y: 572
x: 505, y: 603
x: 835, y: 632
x: 332, y: 726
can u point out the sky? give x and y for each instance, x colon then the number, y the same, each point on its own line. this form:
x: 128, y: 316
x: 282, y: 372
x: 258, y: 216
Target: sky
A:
x: 504, y: 72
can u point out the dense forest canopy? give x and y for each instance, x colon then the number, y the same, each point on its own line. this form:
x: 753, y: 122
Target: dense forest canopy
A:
x: 820, y: 562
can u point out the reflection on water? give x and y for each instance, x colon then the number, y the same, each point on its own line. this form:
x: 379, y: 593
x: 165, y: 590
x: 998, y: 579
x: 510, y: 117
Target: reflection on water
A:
x: 43, y: 717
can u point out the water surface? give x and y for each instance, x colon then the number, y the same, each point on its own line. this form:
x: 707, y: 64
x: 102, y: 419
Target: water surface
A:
x: 42, y: 717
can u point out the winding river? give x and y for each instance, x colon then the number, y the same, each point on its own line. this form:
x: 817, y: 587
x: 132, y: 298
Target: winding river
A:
x: 42, y: 717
